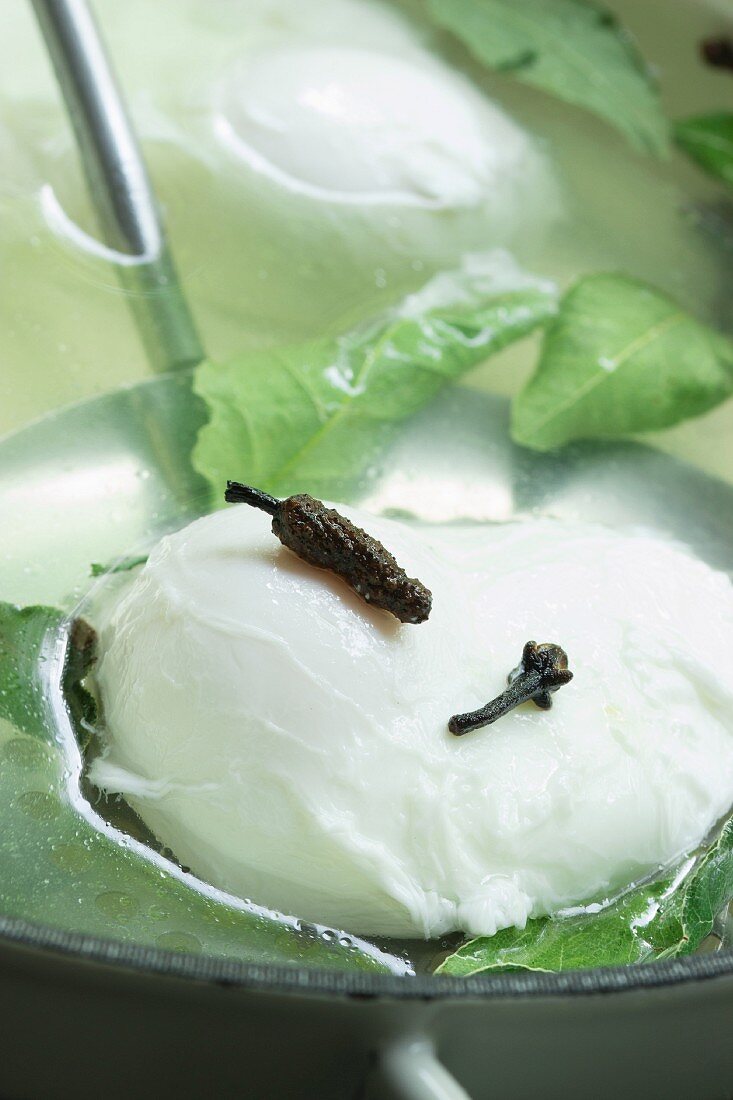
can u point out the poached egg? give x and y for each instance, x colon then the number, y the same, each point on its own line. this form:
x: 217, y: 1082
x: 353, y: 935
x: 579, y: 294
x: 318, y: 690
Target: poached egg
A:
x: 289, y: 743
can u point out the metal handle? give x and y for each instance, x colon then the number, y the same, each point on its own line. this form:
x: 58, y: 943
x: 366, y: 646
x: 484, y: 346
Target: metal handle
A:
x: 118, y: 182
x: 410, y: 1070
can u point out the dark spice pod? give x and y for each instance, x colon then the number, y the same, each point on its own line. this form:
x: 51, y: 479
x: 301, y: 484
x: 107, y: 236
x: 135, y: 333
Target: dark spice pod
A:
x: 541, y: 672
x: 323, y: 537
x: 718, y: 52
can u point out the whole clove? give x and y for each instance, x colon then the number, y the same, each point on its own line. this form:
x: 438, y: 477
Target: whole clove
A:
x: 541, y: 672
x: 323, y: 537
x: 718, y: 52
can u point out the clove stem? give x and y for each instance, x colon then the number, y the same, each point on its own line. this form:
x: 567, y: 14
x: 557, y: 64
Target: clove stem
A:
x: 521, y: 690
x: 541, y: 672
x: 236, y: 493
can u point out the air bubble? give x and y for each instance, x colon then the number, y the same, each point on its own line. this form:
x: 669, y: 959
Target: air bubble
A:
x: 26, y: 753
x: 179, y: 941
x: 39, y: 805
x: 116, y: 906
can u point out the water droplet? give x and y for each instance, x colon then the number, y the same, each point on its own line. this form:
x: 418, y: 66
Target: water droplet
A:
x: 120, y: 907
x: 328, y: 936
x: 179, y: 941
x: 39, y: 805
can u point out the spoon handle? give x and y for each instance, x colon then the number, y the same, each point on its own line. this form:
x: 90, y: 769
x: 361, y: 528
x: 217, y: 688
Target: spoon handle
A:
x: 118, y: 183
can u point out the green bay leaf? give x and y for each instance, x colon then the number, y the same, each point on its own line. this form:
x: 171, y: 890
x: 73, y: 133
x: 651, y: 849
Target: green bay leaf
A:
x: 573, y: 49
x: 709, y: 891
x: 25, y: 633
x: 708, y: 139
x: 311, y: 418
x: 612, y: 936
x: 620, y: 358
x: 124, y: 565
x: 28, y: 636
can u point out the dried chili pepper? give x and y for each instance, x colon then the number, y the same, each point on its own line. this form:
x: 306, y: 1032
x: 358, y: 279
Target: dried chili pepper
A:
x: 541, y: 672
x: 322, y: 537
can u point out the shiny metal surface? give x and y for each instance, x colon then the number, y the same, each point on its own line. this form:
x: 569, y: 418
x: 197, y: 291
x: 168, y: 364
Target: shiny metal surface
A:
x: 118, y: 183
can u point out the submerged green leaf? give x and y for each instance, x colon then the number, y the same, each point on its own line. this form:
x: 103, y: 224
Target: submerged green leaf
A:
x: 620, y: 358
x: 100, y: 569
x: 709, y: 890
x: 27, y: 639
x: 708, y: 139
x: 612, y: 936
x: 312, y: 417
x: 25, y: 633
x: 572, y: 49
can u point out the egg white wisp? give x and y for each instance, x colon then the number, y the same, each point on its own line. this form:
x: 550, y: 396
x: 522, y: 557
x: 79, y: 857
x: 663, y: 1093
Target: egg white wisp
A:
x: 290, y: 744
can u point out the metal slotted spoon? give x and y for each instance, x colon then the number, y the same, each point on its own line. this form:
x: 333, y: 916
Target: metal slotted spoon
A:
x: 99, y: 479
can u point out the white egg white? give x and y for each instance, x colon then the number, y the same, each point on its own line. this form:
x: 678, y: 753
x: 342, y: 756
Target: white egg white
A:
x: 365, y: 126
x: 289, y: 743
